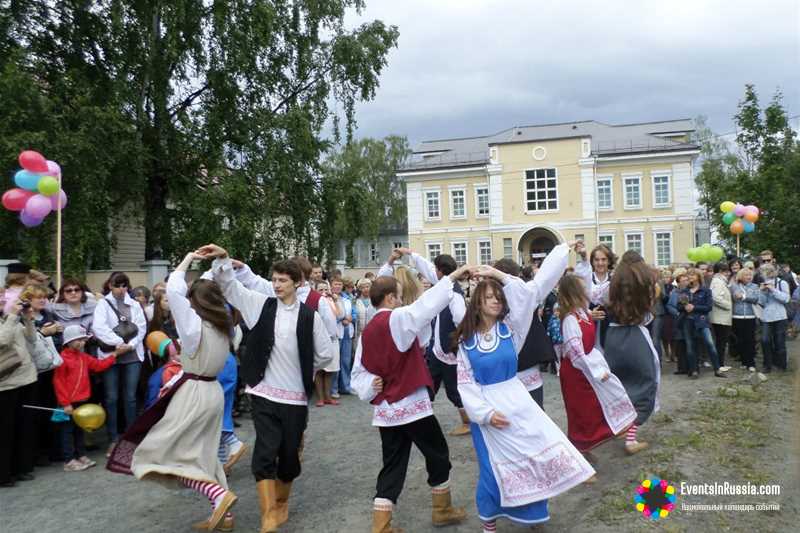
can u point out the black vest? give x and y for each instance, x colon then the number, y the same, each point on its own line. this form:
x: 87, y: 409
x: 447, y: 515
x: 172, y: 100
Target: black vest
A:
x: 446, y: 324
x: 262, y: 338
x: 538, y: 348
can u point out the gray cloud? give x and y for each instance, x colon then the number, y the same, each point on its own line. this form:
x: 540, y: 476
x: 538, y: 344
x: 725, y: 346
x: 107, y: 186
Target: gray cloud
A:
x: 468, y: 68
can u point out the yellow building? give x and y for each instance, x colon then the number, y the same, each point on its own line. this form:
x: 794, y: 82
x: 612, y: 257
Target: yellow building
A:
x: 519, y: 192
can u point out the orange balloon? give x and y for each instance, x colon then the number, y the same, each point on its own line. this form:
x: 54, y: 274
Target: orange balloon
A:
x: 751, y: 216
x: 154, y: 340
x: 737, y: 227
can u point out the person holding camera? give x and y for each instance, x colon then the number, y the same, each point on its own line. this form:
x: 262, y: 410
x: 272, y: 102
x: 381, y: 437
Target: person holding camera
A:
x: 17, y: 388
x: 773, y: 299
x: 120, y: 327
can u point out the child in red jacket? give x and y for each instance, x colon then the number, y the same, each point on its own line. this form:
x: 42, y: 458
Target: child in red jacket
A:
x: 72, y: 386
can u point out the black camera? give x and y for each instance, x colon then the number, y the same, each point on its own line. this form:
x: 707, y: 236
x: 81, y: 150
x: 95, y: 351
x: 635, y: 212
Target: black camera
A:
x: 26, y: 305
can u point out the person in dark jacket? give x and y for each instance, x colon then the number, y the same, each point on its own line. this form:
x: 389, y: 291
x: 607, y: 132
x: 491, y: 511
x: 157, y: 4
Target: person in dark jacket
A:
x: 697, y: 324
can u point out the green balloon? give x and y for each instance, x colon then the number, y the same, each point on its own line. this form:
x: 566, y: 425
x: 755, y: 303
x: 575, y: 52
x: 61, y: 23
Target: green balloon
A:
x: 48, y: 185
x: 706, y: 246
x: 728, y: 218
x: 692, y: 254
x: 717, y: 254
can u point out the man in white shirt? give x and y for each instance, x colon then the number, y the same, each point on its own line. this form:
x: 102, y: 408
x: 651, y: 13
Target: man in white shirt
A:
x: 287, y: 344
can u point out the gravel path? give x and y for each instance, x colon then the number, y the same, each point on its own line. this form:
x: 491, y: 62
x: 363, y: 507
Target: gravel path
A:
x: 334, y: 493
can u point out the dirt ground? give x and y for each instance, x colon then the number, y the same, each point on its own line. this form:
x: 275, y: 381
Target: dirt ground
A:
x: 709, y: 430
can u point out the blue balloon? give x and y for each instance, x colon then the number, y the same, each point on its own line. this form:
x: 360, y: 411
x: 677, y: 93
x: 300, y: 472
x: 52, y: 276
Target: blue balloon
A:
x: 749, y: 227
x: 27, y: 180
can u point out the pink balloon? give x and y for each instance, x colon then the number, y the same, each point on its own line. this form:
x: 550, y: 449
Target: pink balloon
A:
x: 739, y: 210
x: 52, y: 168
x: 29, y: 221
x: 33, y: 161
x: 38, y: 206
x: 15, y: 199
x: 752, y: 209
x: 54, y: 200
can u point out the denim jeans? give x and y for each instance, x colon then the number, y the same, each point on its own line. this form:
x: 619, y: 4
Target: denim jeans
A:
x: 111, y: 380
x: 72, y: 440
x: 341, y: 382
x: 691, y: 337
x: 773, y: 343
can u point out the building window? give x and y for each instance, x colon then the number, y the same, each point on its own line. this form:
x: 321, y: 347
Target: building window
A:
x: 458, y: 203
x: 663, y: 248
x: 432, y: 208
x: 608, y: 240
x: 460, y: 253
x: 396, y: 245
x: 586, y: 148
x: 434, y: 250
x: 482, y: 201
x: 541, y: 188
x: 661, y: 196
x: 605, y: 193
x: 373, y: 252
x: 508, y: 249
x: 633, y: 192
x: 493, y: 155
x: 635, y: 242
x: 580, y: 237
x: 484, y: 252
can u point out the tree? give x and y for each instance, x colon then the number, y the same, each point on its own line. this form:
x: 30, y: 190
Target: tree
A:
x: 195, y: 115
x: 363, y: 193
x: 763, y: 170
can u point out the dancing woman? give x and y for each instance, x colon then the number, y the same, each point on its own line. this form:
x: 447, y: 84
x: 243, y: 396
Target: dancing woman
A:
x: 177, y: 439
x: 523, y: 457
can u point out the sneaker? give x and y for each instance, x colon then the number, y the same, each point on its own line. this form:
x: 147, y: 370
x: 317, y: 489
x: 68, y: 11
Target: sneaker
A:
x: 335, y: 395
x: 751, y: 368
x: 88, y: 462
x: 706, y: 364
x: 724, y: 368
x: 75, y: 466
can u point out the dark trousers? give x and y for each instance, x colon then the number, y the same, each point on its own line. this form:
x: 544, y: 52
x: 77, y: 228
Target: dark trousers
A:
x: 442, y: 372
x: 773, y: 343
x: 279, y: 434
x: 744, y: 330
x: 18, y: 444
x: 721, y: 335
x: 72, y: 440
x: 538, y: 396
x: 427, y: 436
x: 47, y: 434
x: 679, y: 350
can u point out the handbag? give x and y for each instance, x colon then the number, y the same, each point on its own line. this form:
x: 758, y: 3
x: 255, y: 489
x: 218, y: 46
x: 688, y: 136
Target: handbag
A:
x: 125, y: 329
x: 44, y: 354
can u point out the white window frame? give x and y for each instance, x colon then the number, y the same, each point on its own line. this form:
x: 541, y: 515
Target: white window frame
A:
x: 653, y: 176
x: 586, y: 148
x: 509, y: 255
x: 669, y: 232
x: 374, y: 252
x: 493, y: 155
x: 483, y: 242
x: 438, y: 193
x: 463, y: 190
x: 640, y: 234
x: 428, y: 246
x: 547, y: 200
x: 466, y: 251
x: 610, y: 180
x: 638, y: 178
x: 613, y: 238
x: 478, y: 187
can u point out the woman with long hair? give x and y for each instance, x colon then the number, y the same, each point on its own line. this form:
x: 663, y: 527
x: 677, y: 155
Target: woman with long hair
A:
x: 523, y: 457
x: 629, y: 349
x: 596, y: 402
x: 176, y: 441
x: 323, y: 379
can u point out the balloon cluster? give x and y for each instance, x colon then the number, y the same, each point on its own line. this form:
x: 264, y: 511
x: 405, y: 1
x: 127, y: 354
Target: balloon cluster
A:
x: 38, y: 190
x: 159, y: 343
x: 705, y: 253
x: 740, y: 218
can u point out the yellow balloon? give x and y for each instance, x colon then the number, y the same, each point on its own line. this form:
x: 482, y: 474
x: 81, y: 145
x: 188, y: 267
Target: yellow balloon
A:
x: 727, y: 207
x: 89, y: 416
x: 646, y: 483
x: 640, y: 507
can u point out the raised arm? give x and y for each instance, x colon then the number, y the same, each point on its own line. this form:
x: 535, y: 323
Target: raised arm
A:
x: 187, y: 321
x: 425, y: 268
x: 550, y: 272
x: 252, y: 281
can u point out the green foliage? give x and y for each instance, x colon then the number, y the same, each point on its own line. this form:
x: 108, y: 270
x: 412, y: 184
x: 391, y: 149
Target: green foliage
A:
x: 202, y: 120
x: 763, y: 170
x: 362, y: 190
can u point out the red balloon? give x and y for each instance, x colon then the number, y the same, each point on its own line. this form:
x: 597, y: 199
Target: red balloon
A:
x: 15, y: 199
x: 33, y: 161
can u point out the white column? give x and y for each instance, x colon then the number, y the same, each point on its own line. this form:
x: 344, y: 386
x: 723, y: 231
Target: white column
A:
x: 157, y: 270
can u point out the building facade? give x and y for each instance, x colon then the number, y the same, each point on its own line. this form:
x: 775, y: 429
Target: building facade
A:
x: 520, y: 192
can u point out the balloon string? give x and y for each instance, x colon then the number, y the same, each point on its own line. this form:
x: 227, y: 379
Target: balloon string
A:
x: 43, y: 408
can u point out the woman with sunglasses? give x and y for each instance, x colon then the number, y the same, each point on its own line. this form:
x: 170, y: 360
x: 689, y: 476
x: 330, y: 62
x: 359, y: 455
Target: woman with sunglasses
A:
x: 118, y: 306
x: 74, y: 305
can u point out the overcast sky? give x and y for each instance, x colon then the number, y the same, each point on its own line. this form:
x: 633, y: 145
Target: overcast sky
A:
x: 469, y: 67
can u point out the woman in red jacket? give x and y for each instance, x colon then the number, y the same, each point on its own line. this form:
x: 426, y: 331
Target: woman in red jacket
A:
x: 72, y: 386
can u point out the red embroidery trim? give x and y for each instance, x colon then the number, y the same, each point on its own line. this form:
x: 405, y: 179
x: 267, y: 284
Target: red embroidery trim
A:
x: 393, y: 415
x: 283, y: 394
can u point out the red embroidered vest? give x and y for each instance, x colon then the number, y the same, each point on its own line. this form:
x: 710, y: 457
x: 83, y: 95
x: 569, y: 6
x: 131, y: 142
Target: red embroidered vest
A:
x: 312, y: 300
x: 587, y: 332
x: 402, y: 372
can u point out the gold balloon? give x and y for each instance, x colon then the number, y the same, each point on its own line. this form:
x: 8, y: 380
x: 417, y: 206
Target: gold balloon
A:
x: 89, y: 416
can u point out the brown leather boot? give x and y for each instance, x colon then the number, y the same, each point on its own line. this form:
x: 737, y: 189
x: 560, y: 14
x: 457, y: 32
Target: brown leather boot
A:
x: 444, y: 514
x: 267, y: 495
x: 382, y: 522
x: 463, y: 429
x: 283, y: 490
